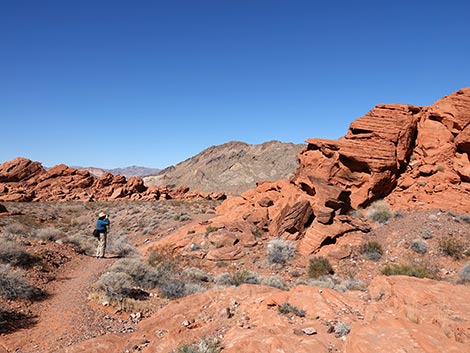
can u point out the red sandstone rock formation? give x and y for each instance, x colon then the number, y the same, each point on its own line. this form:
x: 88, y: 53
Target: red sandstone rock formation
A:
x: 24, y: 180
x: 414, y: 156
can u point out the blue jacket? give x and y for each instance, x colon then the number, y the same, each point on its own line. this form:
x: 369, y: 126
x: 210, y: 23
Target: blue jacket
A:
x: 101, y: 225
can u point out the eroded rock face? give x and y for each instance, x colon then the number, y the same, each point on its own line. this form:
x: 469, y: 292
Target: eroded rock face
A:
x: 367, y: 160
x: 22, y: 180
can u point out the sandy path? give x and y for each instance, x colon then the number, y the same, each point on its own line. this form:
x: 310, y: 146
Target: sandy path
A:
x: 65, y: 318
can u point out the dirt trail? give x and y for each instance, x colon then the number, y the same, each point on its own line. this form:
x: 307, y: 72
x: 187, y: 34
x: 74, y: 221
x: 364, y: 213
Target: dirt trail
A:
x: 66, y: 317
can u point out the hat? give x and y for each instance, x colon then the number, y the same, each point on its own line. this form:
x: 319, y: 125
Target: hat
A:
x: 102, y: 214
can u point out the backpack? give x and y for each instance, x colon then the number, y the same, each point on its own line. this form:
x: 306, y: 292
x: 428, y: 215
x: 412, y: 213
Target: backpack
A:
x: 96, y: 233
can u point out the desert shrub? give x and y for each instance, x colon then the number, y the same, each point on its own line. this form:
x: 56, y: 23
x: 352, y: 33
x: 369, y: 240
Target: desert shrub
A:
x: 287, y: 308
x: 464, y: 274
x: 120, y: 246
x: 319, y: 266
x: 197, y: 274
x: 115, y: 285
x: 427, y: 234
x: 210, y: 229
x: 160, y: 255
x: 237, y: 278
x: 379, y: 211
x: 11, y: 253
x: 337, y: 283
x: 48, y: 233
x: 143, y: 274
x: 419, y: 246
x: 280, y: 250
x: 182, y: 216
x: 15, y: 230
x: 407, y: 270
x: 14, y: 286
x: 273, y: 281
x: 373, y: 250
x: 206, y: 345
x: 173, y: 289
x: 465, y: 218
x: 451, y: 246
x: 341, y: 328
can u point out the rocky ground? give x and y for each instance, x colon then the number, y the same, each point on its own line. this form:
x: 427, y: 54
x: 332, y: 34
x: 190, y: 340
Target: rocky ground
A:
x: 69, y: 317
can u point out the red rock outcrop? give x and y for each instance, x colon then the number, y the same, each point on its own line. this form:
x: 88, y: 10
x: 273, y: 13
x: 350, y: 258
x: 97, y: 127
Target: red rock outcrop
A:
x: 23, y: 180
x: 413, y: 156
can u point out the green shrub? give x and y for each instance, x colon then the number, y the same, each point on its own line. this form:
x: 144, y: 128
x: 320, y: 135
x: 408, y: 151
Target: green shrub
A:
x: 373, y: 250
x: 319, y: 266
x: 287, y: 308
x: 450, y: 246
x: 280, y: 250
x: 407, y: 270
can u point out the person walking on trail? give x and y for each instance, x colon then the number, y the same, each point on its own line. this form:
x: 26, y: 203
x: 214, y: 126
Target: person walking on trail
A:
x: 102, y: 225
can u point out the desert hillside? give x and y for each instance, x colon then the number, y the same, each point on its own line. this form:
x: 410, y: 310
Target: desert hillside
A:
x: 232, y: 168
x: 364, y: 249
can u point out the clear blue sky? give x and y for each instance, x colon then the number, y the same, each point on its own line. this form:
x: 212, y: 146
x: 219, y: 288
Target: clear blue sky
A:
x: 117, y: 83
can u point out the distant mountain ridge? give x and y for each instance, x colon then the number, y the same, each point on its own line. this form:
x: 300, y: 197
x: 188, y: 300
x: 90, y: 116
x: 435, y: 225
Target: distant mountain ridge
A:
x: 232, y: 167
x: 133, y: 170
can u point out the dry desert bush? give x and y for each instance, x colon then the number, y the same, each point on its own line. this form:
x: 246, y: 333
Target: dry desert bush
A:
x: 11, y: 253
x: 280, y: 250
x: 14, y: 286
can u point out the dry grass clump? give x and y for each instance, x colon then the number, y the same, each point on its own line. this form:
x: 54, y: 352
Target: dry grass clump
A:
x: 280, y: 250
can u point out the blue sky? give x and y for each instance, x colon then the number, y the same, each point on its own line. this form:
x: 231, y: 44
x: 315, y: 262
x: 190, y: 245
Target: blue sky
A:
x: 117, y: 83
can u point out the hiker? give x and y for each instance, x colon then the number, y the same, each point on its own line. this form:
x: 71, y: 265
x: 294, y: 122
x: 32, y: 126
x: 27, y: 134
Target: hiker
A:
x: 102, y: 225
